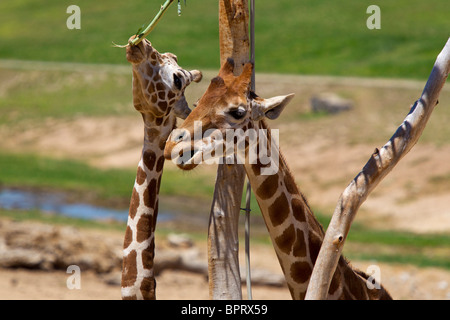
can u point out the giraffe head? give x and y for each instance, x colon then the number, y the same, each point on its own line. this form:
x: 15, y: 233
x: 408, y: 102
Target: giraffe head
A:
x: 158, y: 81
x: 227, y: 107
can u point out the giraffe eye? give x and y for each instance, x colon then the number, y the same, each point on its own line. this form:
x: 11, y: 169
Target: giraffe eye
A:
x: 177, y: 81
x: 238, y: 113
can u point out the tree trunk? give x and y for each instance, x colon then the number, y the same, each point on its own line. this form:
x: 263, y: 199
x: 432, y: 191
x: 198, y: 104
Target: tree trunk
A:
x: 223, y: 240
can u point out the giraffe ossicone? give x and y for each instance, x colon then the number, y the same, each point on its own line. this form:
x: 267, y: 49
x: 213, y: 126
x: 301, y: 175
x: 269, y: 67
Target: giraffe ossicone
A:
x: 296, y: 234
x: 158, y: 94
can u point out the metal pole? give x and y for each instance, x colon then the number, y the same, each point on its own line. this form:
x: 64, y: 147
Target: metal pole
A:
x: 252, y: 41
x: 249, y: 190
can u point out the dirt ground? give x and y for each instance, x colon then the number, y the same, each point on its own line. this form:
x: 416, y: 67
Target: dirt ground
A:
x: 413, y: 197
x: 403, y: 282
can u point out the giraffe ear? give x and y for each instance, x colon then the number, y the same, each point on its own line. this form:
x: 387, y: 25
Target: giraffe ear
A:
x: 181, y: 108
x: 243, y: 81
x: 196, y: 75
x: 227, y: 68
x: 270, y: 108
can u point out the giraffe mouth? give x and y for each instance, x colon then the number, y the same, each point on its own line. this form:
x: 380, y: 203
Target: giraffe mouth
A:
x: 135, y: 54
x: 187, y: 154
x: 188, y: 159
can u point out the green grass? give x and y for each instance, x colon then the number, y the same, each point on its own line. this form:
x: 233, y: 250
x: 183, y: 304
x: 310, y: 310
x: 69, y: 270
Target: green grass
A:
x: 59, y: 94
x: 55, y: 219
x: 40, y: 172
x: 364, y: 235
x: 419, y: 260
x: 311, y: 37
x: 113, y: 184
x: 422, y: 250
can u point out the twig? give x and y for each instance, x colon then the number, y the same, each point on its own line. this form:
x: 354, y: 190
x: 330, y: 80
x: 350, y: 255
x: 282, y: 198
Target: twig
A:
x: 140, y: 35
x: 379, y: 165
x: 152, y: 24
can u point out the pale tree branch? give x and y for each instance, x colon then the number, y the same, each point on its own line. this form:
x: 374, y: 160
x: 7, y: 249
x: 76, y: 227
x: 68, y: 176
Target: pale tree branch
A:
x: 223, y: 240
x: 381, y: 162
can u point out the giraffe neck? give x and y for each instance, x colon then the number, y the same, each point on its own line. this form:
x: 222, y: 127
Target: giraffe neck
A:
x: 295, y: 232
x: 289, y: 220
x: 138, y: 279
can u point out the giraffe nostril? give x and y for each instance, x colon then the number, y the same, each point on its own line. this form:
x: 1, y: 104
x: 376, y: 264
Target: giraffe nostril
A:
x: 179, y: 136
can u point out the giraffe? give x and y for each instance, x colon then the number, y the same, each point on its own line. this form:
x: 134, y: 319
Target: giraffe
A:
x: 295, y: 233
x: 158, y: 94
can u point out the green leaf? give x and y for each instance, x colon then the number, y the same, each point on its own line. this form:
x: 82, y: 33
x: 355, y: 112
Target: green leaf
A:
x: 138, y: 33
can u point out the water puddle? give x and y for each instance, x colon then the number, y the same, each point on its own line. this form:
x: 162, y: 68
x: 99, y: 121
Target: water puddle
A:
x: 57, y: 203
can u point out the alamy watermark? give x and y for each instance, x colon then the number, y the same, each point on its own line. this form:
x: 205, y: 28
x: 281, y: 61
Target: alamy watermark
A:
x: 374, y: 20
x: 74, y: 280
x: 74, y: 20
x: 252, y: 146
x: 374, y: 279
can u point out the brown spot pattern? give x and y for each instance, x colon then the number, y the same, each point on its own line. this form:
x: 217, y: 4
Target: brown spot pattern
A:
x: 292, y: 241
x: 279, y: 210
x: 300, y: 271
x: 134, y: 203
x: 148, y: 70
x: 335, y: 282
x: 298, y: 210
x: 299, y: 249
x: 162, y: 105
x: 140, y: 176
x: 150, y: 194
x: 161, y: 95
x: 148, y: 289
x: 354, y: 284
x: 129, y: 273
x: 314, y: 246
x: 268, y: 187
x: 160, y: 86
x: 290, y: 184
x: 153, y: 133
x: 148, y: 255
x: 152, y: 88
x: 128, y: 237
x: 144, y: 227
x: 149, y: 158
x: 160, y: 164
x: 286, y: 240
